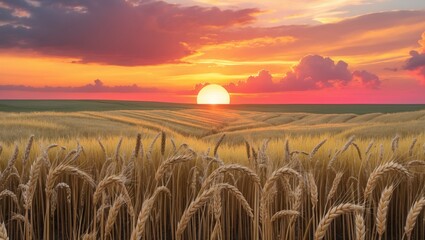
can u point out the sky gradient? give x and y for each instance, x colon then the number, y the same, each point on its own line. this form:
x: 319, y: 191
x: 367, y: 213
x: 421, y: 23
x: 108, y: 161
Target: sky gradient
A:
x: 277, y: 51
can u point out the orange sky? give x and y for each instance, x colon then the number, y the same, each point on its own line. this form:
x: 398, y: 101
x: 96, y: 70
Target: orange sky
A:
x: 313, y: 52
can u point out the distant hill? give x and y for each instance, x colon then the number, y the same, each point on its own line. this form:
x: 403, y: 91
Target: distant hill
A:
x: 108, y: 105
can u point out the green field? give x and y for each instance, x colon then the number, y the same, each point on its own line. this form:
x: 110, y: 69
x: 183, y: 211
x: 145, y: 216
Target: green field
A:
x: 104, y: 105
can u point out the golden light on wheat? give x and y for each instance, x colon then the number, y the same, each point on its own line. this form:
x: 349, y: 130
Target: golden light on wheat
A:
x: 159, y: 188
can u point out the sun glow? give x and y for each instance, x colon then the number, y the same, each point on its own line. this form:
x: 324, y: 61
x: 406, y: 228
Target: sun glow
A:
x: 213, y: 94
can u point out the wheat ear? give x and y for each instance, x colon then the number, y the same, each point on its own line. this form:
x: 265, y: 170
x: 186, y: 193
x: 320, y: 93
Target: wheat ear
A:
x: 412, y: 146
x: 413, y: 214
x: 231, y: 167
x: 150, y: 149
x: 317, y: 147
x: 333, y: 213
x: 113, y: 213
x: 369, y: 147
x: 248, y: 149
x: 60, y: 170
x: 3, y: 232
x: 27, y: 151
x: 217, y: 145
x: 114, y: 180
x: 11, y: 195
x: 379, y: 171
x: 145, y: 212
x: 281, y: 172
x: 199, y: 202
x: 163, y: 142
x: 347, y: 144
x: 137, y: 146
x: 360, y: 227
x: 239, y: 196
x: 381, y: 215
x: 9, y: 166
x: 335, y: 185
x: 394, y: 143
x: 32, y: 182
x: 117, y: 150
x: 314, y: 195
x: 165, y: 165
x: 284, y: 213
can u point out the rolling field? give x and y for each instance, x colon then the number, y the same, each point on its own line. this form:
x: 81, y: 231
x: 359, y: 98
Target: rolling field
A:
x: 210, y: 173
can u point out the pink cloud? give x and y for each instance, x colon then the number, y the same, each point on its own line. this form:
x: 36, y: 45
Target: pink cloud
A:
x: 311, y: 73
x: 365, y: 79
x: 97, y: 87
x: 263, y: 82
x: 116, y: 32
x: 416, y: 62
x: 316, y: 72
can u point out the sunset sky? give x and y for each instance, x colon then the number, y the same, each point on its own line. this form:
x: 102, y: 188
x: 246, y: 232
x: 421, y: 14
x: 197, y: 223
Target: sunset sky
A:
x: 272, y: 51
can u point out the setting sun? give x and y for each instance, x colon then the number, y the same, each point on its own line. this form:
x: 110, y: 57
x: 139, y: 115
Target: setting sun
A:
x: 213, y: 94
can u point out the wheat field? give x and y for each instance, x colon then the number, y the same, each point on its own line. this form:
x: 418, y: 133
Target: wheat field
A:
x: 204, y: 174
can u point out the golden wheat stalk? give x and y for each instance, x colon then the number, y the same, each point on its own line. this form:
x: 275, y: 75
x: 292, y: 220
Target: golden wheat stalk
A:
x: 279, y: 173
x: 216, y: 233
x: 379, y: 171
x: 284, y: 213
x: 217, y: 145
x: 412, y: 146
x: 117, y: 150
x: 167, y: 164
x: 173, y: 144
x: 335, y: 184
x: 144, y: 214
x: 239, y: 196
x: 62, y: 169
x: 32, y: 182
x: 268, y: 186
x: 7, y: 193
x: 9, y: 166
x: 333, y: 213
x: 359, y: 152
x: 102, y: 147
x: 230, y: 167
x: 150, y: 149
x: 163, y: 142
x: 347, y: 144
x: 360, y: 227
x: 317, y: 147
x: 137, y: 146
x: 202, y: 199
x: 369, y: 147
x: 287, y: 151
x: 113, y: 213
x: 27, y: 151
x: 381, y: 215
x: 333, y: 159
x: 395, y: 143
x: 110, y: 181
x: 89, y: 236
x: 413, y: 214
x: 248, y: 149
x: 3, y: 232
x: 314, y: 194
x: 298, y: 196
